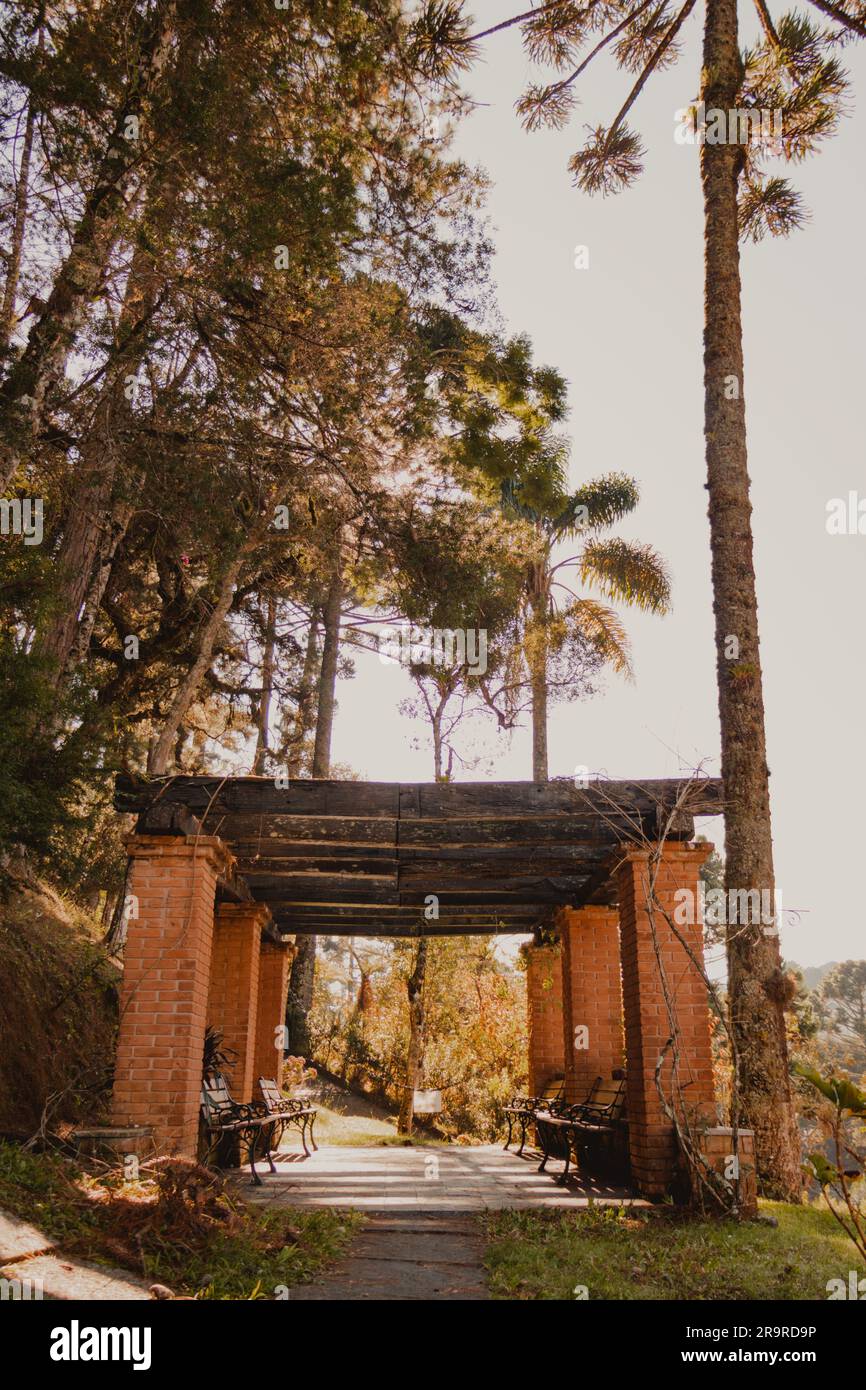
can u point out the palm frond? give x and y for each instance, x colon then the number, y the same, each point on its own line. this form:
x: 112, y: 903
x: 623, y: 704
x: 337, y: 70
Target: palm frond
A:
x: 602, y: 501
x: 604, y: 629
x: 625, y: 570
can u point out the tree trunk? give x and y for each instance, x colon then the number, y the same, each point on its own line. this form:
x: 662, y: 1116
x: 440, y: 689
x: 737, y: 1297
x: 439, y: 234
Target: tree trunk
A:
x: 160, y: 751
x: 304, y: 712
x: 19, y: 223
x: 303, y: 975
x: 264, y: 715
x: 415, y: 1052
x: 756, y: 983
x: 328, y: 674
x: 300, y: 996
x: 80, y: 278
x: 97, y: 523
x: 538, y: 684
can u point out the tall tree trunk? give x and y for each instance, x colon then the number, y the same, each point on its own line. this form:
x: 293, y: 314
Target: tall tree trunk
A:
x: 80, y: 278
x: 264, y: 715
x: 19, y: 222
x: 415, y: 1053
x: 161, y: 749
x: 756, y: 983
x: 304, y: 712
x: 303, y: 975
x: 538, y: 687
x: 97, y: 523
x: 328, y: 673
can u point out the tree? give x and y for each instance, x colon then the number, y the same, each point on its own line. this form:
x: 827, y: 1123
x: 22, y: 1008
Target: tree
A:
x: 841, y: 1000
x: 582, y: 633
x: 790, y: 73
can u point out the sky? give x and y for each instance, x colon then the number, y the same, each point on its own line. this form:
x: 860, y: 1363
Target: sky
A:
x: 627, y: 334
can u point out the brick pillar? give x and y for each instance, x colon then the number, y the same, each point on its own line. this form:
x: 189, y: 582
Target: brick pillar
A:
x: 591, y: 996
x: 163, y: 998
x: 234, y: 986
x: 544, y: 1004
x: 652, y: 1139
x: 273, y: 990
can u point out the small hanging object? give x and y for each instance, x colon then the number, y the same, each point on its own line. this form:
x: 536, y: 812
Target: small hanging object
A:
x: 427, y: 1102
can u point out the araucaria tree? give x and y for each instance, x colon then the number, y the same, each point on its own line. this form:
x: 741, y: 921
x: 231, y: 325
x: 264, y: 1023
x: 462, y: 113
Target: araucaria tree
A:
x: 793, y: 77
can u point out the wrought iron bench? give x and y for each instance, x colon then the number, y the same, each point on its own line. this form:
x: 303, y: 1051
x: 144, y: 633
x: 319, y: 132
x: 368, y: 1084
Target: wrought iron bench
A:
x: 224, y: 1118
x: 598, y: 1118
x: 522, y: 1108
x: 288, y: 1113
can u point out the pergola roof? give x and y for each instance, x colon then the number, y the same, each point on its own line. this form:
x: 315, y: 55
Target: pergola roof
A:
x: 366, y: 858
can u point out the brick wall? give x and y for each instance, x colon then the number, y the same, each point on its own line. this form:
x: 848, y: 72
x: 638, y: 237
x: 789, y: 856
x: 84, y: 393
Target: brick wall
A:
x: 234, y: 986
x: 652, y: 1140
x: 164, y: 994
x: 273, y: 989
x: 544, y: 1004
x: 592, y: 996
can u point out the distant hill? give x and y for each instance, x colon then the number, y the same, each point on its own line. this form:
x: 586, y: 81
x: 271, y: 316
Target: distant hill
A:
x: 813, y: 974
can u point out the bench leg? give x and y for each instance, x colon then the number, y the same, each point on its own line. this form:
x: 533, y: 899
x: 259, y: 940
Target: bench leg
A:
x: 303, y: 1128
x: 524, y: 1125
x: 563, y: 1177
x: 312, y: 1136
x: 255, y: 1180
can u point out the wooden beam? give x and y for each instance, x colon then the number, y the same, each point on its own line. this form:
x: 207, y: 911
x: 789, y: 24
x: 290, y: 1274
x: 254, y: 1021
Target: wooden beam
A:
x: 416, y: 800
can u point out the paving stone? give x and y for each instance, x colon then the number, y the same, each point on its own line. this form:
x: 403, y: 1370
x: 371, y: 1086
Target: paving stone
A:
x: 18, y: 1239
x: 64, y: 1279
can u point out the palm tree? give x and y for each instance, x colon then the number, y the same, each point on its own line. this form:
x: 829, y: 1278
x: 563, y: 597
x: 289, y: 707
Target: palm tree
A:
x: 576, y: 627
x: 793, y: 74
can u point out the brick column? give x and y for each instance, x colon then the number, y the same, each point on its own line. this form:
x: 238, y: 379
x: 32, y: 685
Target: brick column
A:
x: 273, y: 990
x: 234, y: 986
x: 163, y: 997
x: 652, y: 1138
x: 591, y: 996
x: 544, y: 1004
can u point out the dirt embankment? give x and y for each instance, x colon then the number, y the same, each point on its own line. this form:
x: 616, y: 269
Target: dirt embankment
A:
x: 58, y: 1012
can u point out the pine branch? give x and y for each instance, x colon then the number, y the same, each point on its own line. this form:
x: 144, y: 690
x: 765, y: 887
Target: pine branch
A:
x: 857, y: 26
x: 673, y: 29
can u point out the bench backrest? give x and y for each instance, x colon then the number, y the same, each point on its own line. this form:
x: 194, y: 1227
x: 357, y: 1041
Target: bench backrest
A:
x: 608, y: 1097
x: 554, y: 1089
x: 216, y: 1098
x: 271, y: 1093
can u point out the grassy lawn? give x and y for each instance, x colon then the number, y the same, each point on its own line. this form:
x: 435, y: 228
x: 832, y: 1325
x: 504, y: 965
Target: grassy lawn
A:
x: 227, y: 1250
x: 657, y: 1253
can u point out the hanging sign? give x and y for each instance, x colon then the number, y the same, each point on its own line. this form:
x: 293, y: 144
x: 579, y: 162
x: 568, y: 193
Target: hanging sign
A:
x: 427, y: 1102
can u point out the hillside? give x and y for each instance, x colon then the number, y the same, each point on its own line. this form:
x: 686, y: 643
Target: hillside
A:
x: 58, y: 1011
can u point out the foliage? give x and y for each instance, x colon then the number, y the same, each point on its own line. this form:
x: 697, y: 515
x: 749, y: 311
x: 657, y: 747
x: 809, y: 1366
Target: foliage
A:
x: 840, y: 1173
x: 475, y: 1011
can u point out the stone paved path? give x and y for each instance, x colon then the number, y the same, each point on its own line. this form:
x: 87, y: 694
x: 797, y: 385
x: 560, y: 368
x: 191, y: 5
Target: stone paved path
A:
x: 431, y: 1178
x: 420, y: 1255
x: 422, y: 1239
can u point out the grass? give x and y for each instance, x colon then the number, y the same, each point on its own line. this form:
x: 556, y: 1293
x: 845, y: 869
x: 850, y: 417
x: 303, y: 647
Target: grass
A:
x: 225, y: 1251
x: 657, y: 1253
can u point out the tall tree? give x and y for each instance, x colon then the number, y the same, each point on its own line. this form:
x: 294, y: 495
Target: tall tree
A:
x: 580, y: 634
x: 791, y: 73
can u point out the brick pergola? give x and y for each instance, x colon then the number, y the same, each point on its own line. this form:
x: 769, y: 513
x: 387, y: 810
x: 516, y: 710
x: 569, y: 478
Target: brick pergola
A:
x: 226, y: 872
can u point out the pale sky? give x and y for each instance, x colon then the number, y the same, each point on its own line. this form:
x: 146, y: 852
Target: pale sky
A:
x: 626, y: 333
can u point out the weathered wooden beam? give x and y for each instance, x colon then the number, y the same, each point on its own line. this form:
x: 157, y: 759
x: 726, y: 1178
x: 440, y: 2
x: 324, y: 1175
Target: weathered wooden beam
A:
x: 365, y: 927
x: 420, y: 800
